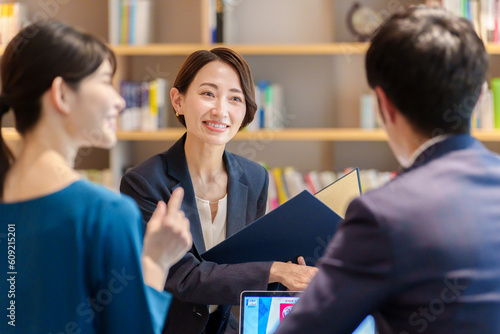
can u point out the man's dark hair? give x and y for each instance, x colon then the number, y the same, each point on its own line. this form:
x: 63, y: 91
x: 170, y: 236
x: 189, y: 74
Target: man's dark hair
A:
x: 431, y: 65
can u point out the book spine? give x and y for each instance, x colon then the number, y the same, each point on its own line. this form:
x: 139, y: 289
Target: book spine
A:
x: 272, y: 194
x: 495, y: 87
x: 153, y: 105
x: 124, y: 22
x: 219, y: 18
x: 142, y: 32
x: 114, y: 21
x: 161, y: 120
x: 280, y: 186
x: 132, y: 14
x: 144, y: 104
x: 262, y: 105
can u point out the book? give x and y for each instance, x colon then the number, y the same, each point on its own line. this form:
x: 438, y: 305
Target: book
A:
x: 114, y: 22
x: 294, y: 181
x: 13, y: 17
x: 303, y: 226
x: 272, y: 193
x: 145, y: 105
x: 129, y: 22
x: 313, y: 182
x: 280, y: 185
x: 219, y: 21
x: 141, y: 22
x: 338, y: 197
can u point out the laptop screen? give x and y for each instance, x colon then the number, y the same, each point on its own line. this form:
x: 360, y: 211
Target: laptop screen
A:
x: 262, y: 311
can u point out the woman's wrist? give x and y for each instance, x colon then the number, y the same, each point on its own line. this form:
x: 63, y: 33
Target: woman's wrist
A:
x: 154, y: 275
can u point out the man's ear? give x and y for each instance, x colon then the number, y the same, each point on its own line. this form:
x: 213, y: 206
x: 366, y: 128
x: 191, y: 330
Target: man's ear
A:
x: 60, y: 95
x: 387, y: 109
x: 177, y: 100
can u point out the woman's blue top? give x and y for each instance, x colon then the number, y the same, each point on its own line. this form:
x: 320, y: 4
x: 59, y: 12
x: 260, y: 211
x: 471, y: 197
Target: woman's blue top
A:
x: 70, y: 263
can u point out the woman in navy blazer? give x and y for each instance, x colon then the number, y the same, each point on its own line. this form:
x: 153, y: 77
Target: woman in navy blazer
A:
x: 213, y: 97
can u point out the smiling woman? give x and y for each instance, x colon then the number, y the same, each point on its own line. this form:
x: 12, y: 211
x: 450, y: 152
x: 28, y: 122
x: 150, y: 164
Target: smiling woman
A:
x: 213, y: 107
x: 213, y: 97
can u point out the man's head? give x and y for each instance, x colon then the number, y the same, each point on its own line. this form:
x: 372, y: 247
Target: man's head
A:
x: 430, y: 65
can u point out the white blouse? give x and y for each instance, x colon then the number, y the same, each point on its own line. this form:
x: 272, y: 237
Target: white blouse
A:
x: 213, y: 232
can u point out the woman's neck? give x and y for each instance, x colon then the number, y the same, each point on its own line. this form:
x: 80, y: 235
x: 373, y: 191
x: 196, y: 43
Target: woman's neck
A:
x: 204, y: 160
x: 44, y: 165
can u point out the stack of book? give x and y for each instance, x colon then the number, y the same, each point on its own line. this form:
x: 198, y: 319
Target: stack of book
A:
x: 484, y: 15
x: 285, y: 183
x: 129, y: 22
x: 270, y: 107
x: 145, y: 105
x: 486, y: 114
x: 13, y: 17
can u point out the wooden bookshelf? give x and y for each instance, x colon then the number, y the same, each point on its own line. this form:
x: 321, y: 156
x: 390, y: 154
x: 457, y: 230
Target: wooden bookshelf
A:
x: 320, y: 134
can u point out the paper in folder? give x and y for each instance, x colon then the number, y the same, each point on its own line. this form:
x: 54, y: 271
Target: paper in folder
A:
x: 302, y: 226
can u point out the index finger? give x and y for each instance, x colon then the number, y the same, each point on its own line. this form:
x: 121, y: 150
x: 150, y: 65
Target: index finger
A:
x: 176, y: 199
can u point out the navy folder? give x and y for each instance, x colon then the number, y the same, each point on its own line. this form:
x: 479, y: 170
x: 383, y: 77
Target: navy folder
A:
x: 302, y: 226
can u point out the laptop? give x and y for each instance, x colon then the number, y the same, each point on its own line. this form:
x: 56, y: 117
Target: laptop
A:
x: 262, y: 311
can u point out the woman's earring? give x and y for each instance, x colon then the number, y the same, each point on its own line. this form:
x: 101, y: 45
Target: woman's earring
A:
x: 176, y: 114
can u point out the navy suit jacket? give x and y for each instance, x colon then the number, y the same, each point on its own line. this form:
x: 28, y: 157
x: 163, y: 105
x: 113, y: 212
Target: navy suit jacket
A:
x: 422, y: 254
x: 193, y: 282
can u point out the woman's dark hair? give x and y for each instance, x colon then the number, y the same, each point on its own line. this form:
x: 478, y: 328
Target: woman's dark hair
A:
x: 431, y: 65
x: 198, y: 59
x: 31, y: 61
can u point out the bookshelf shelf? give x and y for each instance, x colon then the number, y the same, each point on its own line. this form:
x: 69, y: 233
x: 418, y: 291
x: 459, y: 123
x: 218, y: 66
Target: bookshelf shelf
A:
x: 321, y: 134
x: 302, y: 134
x: 493, y: 48
x: 257, y: 49
x: 248, y: 49
x: 245, y: 49
x: 10, y: 134
x: 306, y: 134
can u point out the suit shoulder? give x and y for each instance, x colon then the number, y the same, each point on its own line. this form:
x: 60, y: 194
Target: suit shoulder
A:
x: 152, y: 165
x: 152, y: 171
x: 248, y: 165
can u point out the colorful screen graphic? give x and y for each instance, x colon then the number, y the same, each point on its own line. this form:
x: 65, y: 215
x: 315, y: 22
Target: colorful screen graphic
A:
x: 262, y: 315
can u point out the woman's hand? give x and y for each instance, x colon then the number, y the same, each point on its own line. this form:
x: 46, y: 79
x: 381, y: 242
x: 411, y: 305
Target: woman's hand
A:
x: 295, y: 277
x: 166, y: 241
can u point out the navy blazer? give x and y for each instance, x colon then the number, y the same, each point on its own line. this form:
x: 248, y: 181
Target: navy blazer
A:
x: 422, y: 254
x: 195, y: 283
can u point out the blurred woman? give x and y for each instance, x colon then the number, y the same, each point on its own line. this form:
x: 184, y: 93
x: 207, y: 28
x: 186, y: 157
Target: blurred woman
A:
x: 75, y: 257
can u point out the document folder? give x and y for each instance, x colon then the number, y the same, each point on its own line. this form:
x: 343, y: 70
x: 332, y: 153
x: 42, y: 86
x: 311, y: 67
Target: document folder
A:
x: 302, y: 226
x: 340, y: 193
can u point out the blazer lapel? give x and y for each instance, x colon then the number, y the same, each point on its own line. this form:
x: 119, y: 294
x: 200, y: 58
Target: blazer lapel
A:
x: 178, y: 170
x: 237, y: 196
